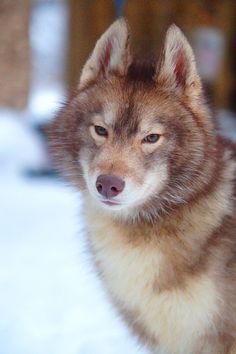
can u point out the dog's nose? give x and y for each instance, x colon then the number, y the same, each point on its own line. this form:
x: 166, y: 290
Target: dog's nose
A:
x: 109, y: 186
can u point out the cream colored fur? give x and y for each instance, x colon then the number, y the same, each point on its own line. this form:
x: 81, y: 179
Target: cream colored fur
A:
x: 179, y: 317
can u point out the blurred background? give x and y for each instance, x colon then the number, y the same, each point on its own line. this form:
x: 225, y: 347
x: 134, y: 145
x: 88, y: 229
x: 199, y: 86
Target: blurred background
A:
x: 50, y: 299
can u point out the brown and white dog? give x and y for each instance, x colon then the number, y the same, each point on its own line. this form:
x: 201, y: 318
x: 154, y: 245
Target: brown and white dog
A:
x: 159, y: 187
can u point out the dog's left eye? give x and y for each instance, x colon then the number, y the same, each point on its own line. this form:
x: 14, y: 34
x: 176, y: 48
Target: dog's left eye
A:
x: 151, y: 138
x: 101, y: 130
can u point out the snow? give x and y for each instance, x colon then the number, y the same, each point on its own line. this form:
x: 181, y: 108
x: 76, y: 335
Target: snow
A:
x: 49, y: 40
x: 51, y: 301
x: 20, y: 146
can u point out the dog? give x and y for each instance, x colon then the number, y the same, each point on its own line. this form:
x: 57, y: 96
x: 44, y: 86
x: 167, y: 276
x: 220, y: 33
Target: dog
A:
x: 159, y: 187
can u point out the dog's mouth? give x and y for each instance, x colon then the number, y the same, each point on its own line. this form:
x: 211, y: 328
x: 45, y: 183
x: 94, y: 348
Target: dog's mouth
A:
x: 110, y: 202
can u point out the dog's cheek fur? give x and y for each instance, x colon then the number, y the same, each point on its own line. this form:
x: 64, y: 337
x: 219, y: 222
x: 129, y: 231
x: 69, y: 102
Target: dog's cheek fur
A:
x: 67, y: 133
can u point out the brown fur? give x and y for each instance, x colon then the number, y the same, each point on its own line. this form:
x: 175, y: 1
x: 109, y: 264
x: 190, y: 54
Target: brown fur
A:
x: 169, y: 262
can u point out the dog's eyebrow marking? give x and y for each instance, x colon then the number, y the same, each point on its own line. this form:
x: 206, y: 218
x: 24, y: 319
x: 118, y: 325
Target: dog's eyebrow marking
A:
x: 160, y: 119
x: 151, y: 126
x: 96, y: 112
x: 97, y: 118
x: 109, y: 117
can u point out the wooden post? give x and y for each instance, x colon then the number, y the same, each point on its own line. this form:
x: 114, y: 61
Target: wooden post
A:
x: 88, y: 20
x: 14, y: 53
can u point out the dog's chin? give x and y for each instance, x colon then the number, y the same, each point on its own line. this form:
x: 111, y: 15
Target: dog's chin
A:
x: 111, y: 205
x: 123, y: 210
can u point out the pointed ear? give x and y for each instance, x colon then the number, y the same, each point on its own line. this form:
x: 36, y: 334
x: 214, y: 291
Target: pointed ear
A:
x: 111, y: 54
x: 177, y: 68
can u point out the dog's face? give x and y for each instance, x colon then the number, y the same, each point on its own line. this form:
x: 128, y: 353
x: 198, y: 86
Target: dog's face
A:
x: 135, y: 133
x: 124, y: 155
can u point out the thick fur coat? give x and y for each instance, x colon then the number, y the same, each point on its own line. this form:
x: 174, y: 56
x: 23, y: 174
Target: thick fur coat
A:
x: 161, y: 223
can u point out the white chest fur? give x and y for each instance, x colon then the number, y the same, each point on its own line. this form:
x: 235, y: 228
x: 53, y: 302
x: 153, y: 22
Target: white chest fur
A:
x: 176, y: 318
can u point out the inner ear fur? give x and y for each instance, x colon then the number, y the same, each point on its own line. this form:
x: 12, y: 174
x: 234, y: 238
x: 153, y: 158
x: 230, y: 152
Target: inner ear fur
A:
x: 176, y: 69
x: 111, y: 54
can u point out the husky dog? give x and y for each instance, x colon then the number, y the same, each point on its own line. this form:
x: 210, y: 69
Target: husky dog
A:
x: 159, y: 189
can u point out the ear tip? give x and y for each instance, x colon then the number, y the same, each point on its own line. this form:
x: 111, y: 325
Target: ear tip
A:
x: 174, y: 29
x: 121, y: 23
x: 122, y: 19
x: 175, y: 35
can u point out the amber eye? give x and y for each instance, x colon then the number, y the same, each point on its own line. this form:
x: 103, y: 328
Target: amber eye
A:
x: 151, y: 138
x: 101, y: 130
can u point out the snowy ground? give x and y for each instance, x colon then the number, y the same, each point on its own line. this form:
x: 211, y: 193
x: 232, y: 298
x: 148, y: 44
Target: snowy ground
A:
x: 50, y: 302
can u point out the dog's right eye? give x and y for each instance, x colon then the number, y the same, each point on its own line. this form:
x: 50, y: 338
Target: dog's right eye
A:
x: 151, y: 138
x: 101, y: 131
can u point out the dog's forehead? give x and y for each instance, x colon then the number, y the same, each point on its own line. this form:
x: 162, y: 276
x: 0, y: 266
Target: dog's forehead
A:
x: 138, y: 109
x: 110, y: 112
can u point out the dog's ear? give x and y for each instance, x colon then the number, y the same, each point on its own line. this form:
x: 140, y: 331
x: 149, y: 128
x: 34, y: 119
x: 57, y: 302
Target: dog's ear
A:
x: 111, y: 54
x: 176, y: 69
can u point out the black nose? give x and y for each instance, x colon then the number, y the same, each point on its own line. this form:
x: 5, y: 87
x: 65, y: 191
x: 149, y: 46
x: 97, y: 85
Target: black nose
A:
x: 109, y: 186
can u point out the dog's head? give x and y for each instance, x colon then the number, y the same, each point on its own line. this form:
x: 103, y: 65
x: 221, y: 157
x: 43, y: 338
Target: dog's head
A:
x: 136, y: 136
